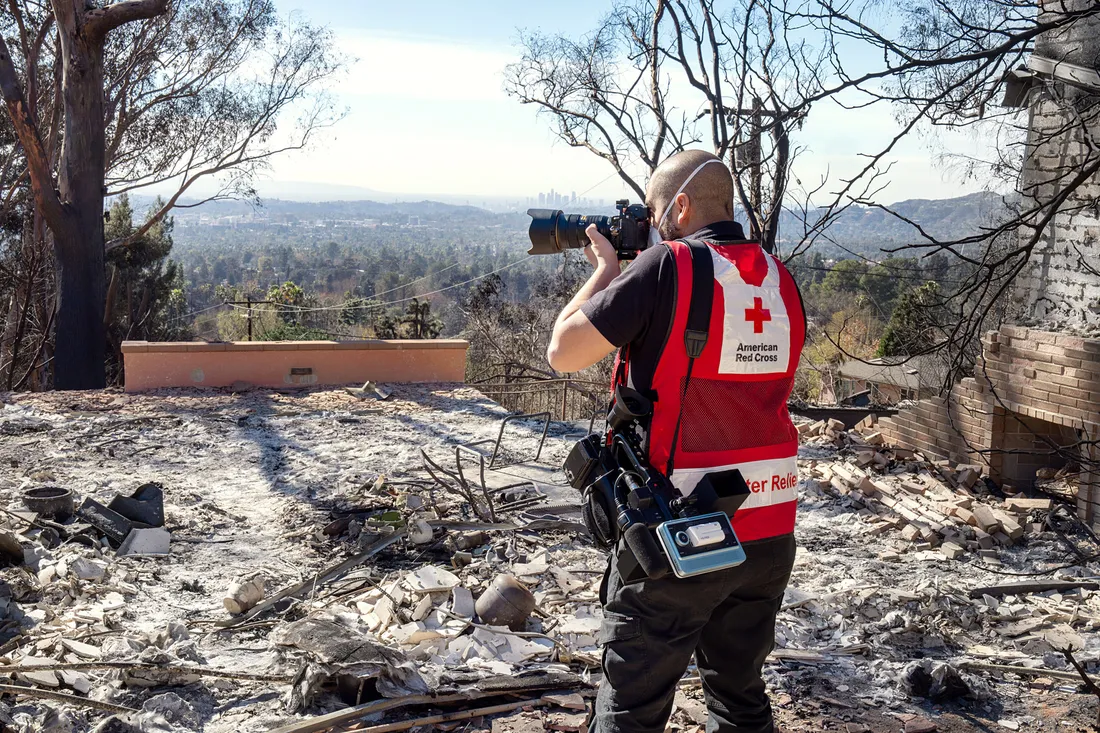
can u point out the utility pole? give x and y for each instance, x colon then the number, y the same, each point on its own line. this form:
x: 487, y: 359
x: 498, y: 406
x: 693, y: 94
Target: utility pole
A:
x: 747, y: 157
x: 249, y: 303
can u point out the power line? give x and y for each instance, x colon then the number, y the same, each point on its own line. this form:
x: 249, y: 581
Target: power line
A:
x: 299, y: 309
x: 195, y: 313
x: 794, y: 267
x: 376, y: 295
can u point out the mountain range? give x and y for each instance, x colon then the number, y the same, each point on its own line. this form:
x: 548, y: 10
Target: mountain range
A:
x: 862, y: 228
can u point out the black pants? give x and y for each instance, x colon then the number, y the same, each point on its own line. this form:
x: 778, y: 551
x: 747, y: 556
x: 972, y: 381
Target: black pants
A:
x: 727, y: 618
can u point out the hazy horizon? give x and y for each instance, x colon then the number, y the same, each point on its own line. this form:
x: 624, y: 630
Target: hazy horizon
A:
x: 427, y: 115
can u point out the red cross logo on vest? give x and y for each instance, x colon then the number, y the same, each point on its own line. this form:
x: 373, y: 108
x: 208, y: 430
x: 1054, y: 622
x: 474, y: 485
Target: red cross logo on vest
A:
x: 758, y: 314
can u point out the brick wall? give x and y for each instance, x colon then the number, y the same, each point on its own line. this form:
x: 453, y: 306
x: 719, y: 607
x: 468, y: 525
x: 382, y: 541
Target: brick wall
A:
x: 1060, y: 283
x: 1033, y: 392
x: 957, y: 428
x: 1043, y: 375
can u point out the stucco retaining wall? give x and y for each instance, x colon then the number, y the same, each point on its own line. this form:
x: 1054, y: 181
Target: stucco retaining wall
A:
x: 152, y: 365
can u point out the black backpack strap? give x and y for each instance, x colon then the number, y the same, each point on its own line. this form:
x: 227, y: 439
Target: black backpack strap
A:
x: 702, y: 297
x: 698, y: 324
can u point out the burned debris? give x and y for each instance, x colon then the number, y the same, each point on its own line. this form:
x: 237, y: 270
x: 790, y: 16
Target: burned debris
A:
x: 411, y: 566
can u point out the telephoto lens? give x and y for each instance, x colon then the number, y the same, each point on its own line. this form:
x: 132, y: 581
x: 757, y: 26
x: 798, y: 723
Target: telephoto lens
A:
x: 553, y: 231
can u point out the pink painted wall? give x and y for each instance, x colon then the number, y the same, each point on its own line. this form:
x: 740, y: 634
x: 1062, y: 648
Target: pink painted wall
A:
x: 152, y: 365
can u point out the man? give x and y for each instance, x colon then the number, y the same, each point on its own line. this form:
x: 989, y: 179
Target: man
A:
x: 731, y: 412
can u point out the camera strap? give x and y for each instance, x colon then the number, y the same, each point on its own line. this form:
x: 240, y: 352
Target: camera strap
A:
x: 698, y: 324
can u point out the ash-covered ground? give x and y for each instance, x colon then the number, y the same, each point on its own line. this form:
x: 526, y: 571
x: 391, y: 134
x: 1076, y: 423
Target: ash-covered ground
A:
x: 878, y: 631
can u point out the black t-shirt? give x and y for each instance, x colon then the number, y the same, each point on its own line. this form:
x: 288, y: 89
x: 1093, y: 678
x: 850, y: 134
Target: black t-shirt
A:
x: 638, y: 306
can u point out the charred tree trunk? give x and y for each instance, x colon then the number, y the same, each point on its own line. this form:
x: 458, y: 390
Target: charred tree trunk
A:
x: 73, y: 205
x: 81, y: 336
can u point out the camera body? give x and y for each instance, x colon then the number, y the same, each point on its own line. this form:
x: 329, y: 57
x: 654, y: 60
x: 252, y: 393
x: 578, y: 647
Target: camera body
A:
x: 630, y: 505
x: 553, y: 231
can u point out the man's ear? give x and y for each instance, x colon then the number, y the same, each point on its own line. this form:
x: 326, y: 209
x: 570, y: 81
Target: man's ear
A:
x: 684, y: 216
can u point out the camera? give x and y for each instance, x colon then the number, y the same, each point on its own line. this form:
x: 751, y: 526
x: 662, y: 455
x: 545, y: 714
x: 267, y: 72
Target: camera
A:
x: 625, y: 498
x: 553, y: 231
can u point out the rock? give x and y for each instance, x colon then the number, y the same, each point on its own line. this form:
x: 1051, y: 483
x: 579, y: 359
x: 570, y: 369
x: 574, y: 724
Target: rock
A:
x: 695, y: 710
x: 244, y: 593
x: 86, y: 569
x: 920, y: 725
x: 420, y: 532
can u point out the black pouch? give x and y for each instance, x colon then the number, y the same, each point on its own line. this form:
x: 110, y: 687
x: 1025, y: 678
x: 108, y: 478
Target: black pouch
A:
x: 721, y: 491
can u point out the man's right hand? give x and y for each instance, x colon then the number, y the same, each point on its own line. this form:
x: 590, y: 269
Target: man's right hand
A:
x: 600, y: 252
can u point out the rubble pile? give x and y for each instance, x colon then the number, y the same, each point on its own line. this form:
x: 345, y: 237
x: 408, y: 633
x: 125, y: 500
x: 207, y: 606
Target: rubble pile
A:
x: 932, y: 504
x: 364, y: 557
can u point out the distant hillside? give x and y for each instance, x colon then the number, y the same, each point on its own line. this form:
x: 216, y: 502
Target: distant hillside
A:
x: 278, y: 210
x: 864, y: 228
x: 861, y: 229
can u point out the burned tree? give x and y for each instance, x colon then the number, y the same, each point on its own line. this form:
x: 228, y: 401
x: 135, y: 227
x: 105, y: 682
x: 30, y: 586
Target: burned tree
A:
x: 943, y: 70
x: 138, y: 93
x: 72, y: 203
x: 656, y: 77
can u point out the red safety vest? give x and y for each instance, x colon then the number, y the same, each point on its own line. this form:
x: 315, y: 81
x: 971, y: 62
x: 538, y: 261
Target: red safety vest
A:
x: 735, y: 409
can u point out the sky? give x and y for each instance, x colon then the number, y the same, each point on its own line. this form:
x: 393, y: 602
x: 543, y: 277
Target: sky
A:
x: 427, y: 114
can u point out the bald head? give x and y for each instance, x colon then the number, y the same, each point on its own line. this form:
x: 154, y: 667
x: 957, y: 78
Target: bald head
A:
x: 709, y: 195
